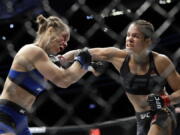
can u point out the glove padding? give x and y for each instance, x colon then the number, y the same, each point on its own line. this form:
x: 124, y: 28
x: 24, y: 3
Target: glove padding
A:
x: 84, y: 58
x: 55, y: 60
x: 157, y: 102
x: 98, y: 66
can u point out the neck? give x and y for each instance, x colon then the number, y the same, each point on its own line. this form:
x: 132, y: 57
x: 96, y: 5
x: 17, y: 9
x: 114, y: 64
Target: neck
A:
x: 140, y: 59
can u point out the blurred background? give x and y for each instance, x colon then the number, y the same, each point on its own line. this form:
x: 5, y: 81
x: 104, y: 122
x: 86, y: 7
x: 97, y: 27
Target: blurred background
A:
x: 94, y: 23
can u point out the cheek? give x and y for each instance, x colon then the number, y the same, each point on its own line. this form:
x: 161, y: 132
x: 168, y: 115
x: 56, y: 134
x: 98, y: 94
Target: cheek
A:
x: 52, y: 46
x: 139, y: 46
x: 142, y: 48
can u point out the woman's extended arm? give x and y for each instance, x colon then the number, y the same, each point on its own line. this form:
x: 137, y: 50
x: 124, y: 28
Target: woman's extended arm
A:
x: 107, y: 54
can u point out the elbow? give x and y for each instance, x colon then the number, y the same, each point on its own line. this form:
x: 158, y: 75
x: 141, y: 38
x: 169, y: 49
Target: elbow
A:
x: 65, y: 83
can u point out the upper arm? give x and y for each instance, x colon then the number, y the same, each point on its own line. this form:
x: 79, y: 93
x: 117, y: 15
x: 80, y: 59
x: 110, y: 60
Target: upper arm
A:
x: 168, y: 70
x: 173, y: 78
x: 42, y: 63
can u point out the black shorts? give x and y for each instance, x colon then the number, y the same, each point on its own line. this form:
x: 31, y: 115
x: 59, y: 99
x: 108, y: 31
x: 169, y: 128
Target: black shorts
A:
x: 145, y: 119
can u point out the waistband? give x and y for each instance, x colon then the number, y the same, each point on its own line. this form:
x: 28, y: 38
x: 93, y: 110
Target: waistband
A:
x: 149, y: 114
x: 144, y: 115
x: 13, y: 105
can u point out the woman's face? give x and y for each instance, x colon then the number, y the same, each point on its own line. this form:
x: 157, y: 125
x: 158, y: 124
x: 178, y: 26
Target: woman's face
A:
x: 59, y: 42
x: 135, y: 41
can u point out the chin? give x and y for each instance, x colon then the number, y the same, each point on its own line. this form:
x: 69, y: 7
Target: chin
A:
x: 54, y: 53
x: 129, y: 50
x: 132, y: 51
x: 57, y: 51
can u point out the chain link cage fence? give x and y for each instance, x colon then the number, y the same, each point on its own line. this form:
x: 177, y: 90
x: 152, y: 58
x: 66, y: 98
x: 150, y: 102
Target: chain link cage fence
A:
x: 93, y: 105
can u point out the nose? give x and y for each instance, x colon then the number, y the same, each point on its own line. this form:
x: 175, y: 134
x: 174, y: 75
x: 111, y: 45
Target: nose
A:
x: 129, y: 38
x: 65, y: 44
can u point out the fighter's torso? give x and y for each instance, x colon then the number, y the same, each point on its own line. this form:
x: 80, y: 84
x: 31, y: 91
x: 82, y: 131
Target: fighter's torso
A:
x: 138, y: 86
x: 24, y: 83
x: 144, y: 84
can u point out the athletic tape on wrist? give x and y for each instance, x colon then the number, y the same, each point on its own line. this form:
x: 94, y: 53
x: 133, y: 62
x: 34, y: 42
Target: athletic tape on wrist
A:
x: 166, y: 100
x: 79, y: 59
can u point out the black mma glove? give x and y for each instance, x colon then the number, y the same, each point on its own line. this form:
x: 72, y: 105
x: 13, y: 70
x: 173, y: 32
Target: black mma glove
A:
x: 84, y: 58
x: 55, y: 60
x: 158, y: 102
x: 98, y: 66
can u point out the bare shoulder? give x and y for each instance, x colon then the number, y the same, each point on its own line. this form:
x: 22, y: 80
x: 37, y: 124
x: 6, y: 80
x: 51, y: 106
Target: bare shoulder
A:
x: 31, y: 53
x: 163, y: 59
x: 30, y: 48
x: 162, y: 62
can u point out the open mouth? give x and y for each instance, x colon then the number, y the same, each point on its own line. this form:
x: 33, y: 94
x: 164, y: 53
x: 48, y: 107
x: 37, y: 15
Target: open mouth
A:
x: 61, y: 47
x: 129, y: 45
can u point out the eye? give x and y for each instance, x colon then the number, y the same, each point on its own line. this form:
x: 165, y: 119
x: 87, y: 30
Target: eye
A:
x: 136, y: 36
x: 128, y: 35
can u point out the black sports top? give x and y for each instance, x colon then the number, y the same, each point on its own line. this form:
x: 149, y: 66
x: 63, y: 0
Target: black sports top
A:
x: 151, y: 82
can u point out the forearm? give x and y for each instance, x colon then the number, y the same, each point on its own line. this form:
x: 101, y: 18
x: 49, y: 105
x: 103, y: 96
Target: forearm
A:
x: 99, y: 54
x: 96, y: 52
x: 69, y: 56
x: 106, y: 54
x: 80, y: 66
x: 75, y: 72
x: 65, y: 77
x: 175, y: 97
x: 159, y: 101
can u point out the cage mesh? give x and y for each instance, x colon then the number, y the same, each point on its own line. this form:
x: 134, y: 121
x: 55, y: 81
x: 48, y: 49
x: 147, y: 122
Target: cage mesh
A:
x: 94, y: 23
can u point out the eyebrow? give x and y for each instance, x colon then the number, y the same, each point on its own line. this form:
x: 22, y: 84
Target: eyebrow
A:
x: 135, y: 33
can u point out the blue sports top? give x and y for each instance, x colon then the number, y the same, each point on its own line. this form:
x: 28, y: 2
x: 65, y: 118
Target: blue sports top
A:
x: 151, y: 82
x: 32, y: 81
